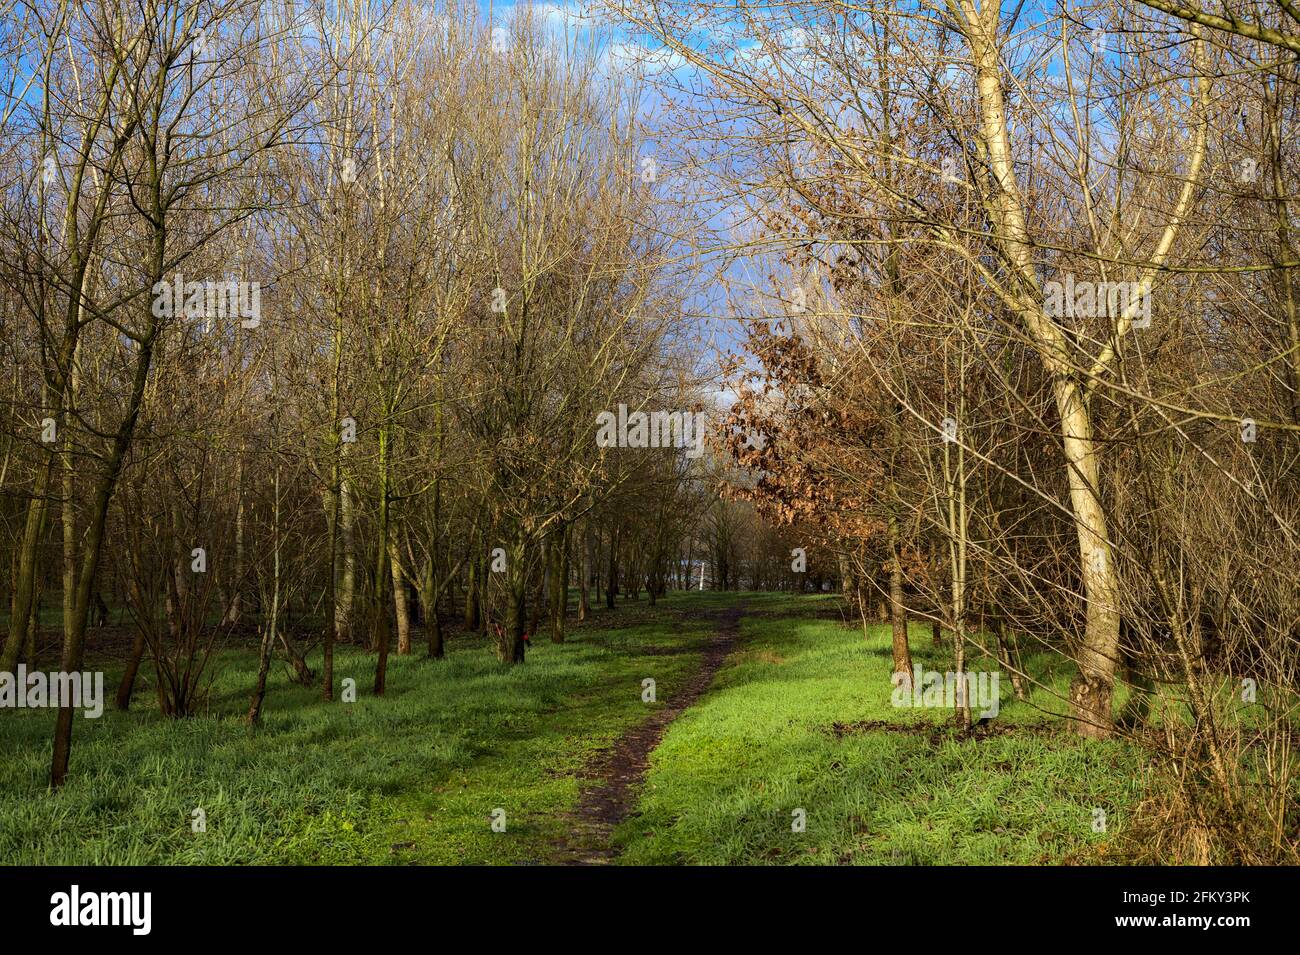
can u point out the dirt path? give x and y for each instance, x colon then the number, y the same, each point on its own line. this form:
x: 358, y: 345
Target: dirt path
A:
x: 611, y: 782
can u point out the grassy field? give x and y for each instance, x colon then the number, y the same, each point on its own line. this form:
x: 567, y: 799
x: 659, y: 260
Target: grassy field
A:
x: 411, y: 777
x: 778, y: 734
x: 414, y: 777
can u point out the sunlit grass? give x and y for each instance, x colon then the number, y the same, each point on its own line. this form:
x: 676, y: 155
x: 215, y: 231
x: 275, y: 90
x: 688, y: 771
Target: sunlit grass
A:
x: 413, y: 776
x: 727, y: 781
x: 793, y: 722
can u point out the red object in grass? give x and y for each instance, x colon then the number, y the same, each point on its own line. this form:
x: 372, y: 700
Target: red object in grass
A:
x: 500, y: 632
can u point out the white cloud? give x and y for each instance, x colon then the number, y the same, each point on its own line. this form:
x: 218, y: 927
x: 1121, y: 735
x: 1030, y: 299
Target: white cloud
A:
x: 572, y: 15
x: 555, y: 17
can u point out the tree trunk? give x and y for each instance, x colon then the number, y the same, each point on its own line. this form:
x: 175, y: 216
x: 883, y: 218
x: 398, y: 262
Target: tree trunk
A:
x: 611, y: 585
x: 584, y: 583
x: 271, y: 626
x: 430, y: 593
x: 401, y: 605
x: 127, y: 686
x: 33, y: 628
x: 380, y: 630
x: 537, y: 593
x: 346, y: 579
x: 68, y: 513
x: 75, y: 637
x: 472, y: 609
x: 1091, y: 692
x: 332, y: 626
x: 263, y: 664
x: 25, y: 587
x: 559, y: 585
x: 962, y: 700
x: 898, y: 610
x: 510, y: 643
x: 1009, y: 658
x: 235, y: 606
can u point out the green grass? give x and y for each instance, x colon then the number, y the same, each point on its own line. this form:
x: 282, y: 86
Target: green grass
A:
x: 415, y: 776
x: 411, y: 777
x: 731, y: 771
